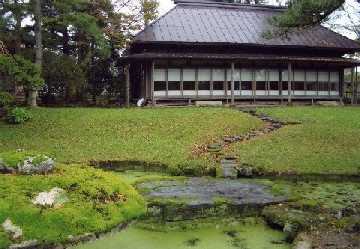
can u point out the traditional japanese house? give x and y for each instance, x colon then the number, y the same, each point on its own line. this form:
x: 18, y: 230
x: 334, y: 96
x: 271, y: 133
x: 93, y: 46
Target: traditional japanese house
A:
x: 205, y: 50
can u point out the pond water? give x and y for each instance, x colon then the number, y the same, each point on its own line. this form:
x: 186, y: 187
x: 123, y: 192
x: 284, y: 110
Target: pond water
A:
x: 214, y: 234
x: 249, y: 237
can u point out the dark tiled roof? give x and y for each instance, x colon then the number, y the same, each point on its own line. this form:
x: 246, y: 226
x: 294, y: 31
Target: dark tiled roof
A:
x: 233, y: 24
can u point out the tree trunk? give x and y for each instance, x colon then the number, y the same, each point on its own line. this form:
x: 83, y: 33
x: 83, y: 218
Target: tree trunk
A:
x: 17, y: 42
x: 65, y: 41
x: 38, y: 51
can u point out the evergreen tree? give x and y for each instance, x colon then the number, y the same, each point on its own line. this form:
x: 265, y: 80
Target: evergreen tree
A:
x: 91, y: 33
x: 302, y: 14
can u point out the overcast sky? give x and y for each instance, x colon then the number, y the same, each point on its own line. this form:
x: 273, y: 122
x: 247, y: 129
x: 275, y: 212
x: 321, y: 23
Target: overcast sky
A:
x: 165, y: 5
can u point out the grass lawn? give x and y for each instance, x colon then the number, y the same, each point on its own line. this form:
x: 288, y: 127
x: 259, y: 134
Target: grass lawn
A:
x: 166, y: 136
x: 327, y: 141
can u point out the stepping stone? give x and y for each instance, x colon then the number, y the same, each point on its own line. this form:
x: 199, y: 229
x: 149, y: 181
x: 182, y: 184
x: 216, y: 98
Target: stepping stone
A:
x: 253, y: 134
x: 214, y: 148
x: 270, y: 128
x: 265, y: 130
x: 228, y: 166
x: 229, y: 140
x: 258, y: 133
x: 239, y: 138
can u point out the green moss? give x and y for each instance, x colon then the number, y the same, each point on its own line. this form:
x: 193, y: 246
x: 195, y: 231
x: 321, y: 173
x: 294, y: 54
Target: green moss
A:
x: 39, y: 159
x: 4, y: 240
x: 219, y: 172
x: 220, y: 200
x: 97, y: 202
x: 277, y: 190
x: 307, y: 205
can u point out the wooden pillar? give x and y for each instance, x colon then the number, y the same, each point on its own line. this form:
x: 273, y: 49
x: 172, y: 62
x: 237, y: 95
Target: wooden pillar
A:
x: 353, y: 85
x: 289, y: 82
x: 341, y: 86
x: 232, y: 83
x: 127, y: 86
x: 356, y: 86
x: 152, y: 83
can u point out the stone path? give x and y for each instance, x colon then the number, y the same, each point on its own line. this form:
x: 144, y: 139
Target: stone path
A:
x: 230, y: 167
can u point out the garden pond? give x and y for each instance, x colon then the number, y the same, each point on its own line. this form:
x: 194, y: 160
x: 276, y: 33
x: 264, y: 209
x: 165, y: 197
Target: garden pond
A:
x: 239, y: 231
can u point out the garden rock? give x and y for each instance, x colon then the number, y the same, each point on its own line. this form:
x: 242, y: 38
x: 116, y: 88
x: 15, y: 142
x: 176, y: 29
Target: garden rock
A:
x: 29, y: 166
x: 291, y: 220
x: 244, y: 171
x: 228, y: 166
x: 10, y: 228
x: 56, y: 197
x: 199, y: 198
x: 354, y: 228
x: 355, y: 224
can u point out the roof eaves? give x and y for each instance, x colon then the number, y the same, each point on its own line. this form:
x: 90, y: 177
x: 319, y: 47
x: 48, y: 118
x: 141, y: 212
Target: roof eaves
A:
x: 250, y: 57
x: 350, y: 49
x: 229, y: 5
x: 348, y: 41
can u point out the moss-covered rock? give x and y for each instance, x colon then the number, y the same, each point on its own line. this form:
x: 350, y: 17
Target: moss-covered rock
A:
x: 26, y: 163
x: 291, y: 220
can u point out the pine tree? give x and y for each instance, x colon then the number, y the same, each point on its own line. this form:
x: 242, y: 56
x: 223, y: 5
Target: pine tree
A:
x: 302, y: 14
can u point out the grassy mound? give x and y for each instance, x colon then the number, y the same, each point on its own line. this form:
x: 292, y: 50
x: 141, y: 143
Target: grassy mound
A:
x: 98, y: 201
x: 166, y: 136
x: 327, y: 141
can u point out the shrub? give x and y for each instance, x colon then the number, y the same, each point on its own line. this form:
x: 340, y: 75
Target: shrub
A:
x: 18, y: 115
x: 7, y: 99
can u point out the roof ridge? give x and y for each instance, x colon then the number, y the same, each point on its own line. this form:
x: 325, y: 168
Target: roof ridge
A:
x: 228, y: 5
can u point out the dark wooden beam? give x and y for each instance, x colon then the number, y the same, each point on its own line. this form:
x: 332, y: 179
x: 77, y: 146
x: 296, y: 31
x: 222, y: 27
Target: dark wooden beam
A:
x: 127, y: 86
x: 352, y: 86
x: 232, y: 83
x: 289, y: 82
